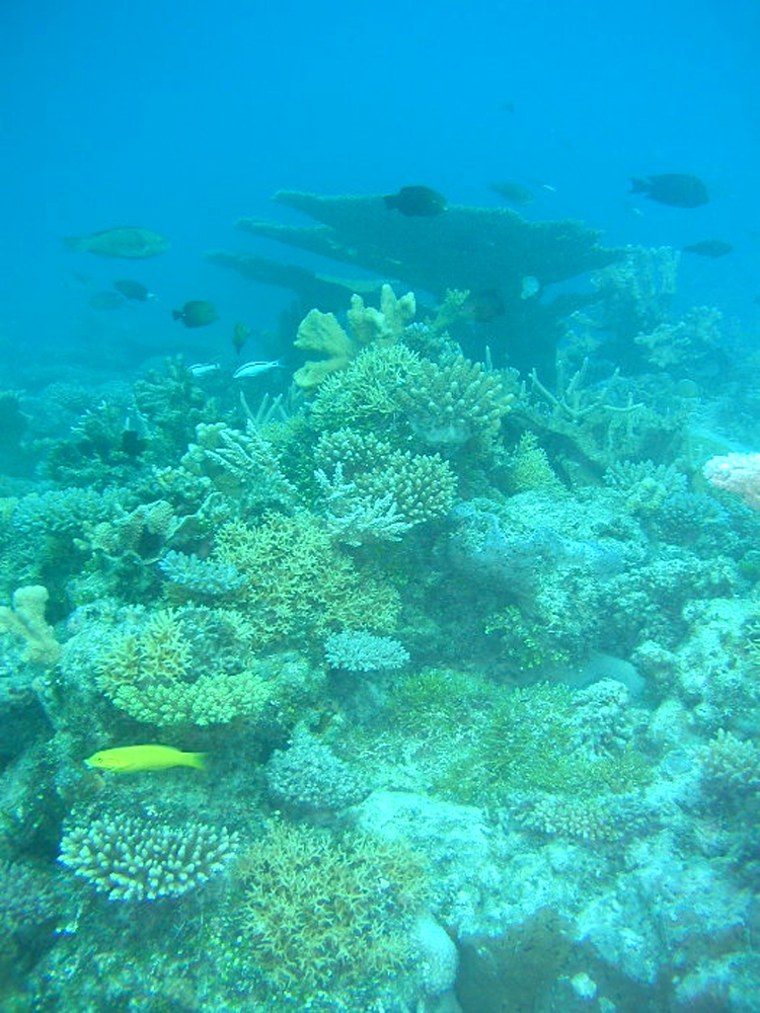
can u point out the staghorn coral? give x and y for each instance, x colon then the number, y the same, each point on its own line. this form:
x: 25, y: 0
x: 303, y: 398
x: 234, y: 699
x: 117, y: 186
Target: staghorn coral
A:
x: 192, y: 665
x: 133, y: 859
x: 359, y: 651
x: 298, y: 584
x: 325, y: 913
x: 241, y: 465
x: 26, y: 619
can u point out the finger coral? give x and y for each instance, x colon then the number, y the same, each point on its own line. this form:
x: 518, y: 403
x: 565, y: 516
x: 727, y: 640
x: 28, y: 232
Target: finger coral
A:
x: 131, y: 859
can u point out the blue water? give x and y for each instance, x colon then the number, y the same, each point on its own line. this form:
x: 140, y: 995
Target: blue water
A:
x: 183, y: 118
x: 432, y: 686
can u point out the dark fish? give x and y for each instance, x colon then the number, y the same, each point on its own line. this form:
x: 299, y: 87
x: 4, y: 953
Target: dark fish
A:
x: 483, y: 306
x: 128, y: 242
x: 416, y: 201
x: 710, y: 248
x: 133, y: 290
x: 196, y: 313
x: 240, y: 334
x: 105, y: 300
x: 675, y: 188
x: 516, y: 193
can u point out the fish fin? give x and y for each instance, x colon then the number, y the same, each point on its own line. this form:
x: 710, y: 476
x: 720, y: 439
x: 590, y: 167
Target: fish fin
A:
x: 638, y: 185
x: 197, y: 760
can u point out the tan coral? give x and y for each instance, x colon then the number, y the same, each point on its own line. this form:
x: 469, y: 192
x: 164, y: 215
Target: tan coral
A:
x: 26, y: 619
x: 321, y: 332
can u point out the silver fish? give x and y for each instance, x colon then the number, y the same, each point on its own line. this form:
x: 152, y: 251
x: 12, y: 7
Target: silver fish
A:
x: 202, y: 368
x: 255, y: 368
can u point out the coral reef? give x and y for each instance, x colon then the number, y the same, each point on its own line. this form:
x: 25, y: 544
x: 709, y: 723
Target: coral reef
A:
x: 359, y: 651
x: 325, y: 914
x: 130, y: 859
x: 26, y: 619
x: 164, y: 671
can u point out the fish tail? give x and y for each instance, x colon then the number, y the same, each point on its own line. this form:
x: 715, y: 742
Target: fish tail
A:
x: 176, y: 314
x: 391, y: 200
x: 197, y: 760
x: 638, y: 185
x: 74, y: 243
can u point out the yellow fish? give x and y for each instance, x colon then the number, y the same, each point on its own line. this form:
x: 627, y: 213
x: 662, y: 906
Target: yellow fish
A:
x: 127, y: 759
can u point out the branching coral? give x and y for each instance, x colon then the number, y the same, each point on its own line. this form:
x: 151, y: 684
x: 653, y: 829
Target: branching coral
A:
x: 456, y: 404
x: 369, y: 393
x: 190, y: 665
x: 359, y: 651
x: 298, y: 584
x: 326, y: 913
x: 372, y: 479
x: 241, y: 465
x: 132, y: 859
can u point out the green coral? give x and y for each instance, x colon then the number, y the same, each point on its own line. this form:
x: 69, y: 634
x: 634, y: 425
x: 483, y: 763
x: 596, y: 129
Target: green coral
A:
x: 420, y: 487
x: 326, y: 914
x: 528, y: 741
x: 299, y: 585
x: 191, y: 665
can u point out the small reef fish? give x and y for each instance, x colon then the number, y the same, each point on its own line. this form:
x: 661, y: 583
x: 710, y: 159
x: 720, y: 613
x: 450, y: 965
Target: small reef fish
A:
x: 249, y: 369
x: 240, y: 334
x: 675, y: 188
x: 709, y: 248
x: 196, y: 313
x: 133, y: 290
x: 106, y: 301
x: 483, y: 306
x: 128, y: 759
x: 128, y: 242
x: 203, y: 368
x: 416, y: 201
x: 515, y: 193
